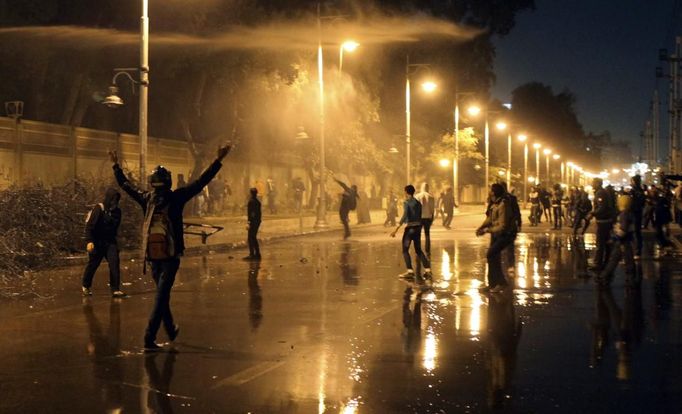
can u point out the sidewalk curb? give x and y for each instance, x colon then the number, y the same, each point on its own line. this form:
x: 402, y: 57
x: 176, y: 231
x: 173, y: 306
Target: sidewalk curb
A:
x: 129, y: 255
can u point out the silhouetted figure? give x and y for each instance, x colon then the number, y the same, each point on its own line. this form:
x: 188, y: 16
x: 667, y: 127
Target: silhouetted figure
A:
x: 349, y: 202
x: 253, y: 211
x: 101, y: 229
x: 603, y: 212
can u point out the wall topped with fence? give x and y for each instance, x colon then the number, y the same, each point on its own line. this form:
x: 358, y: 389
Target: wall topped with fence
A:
x: 32, y: 152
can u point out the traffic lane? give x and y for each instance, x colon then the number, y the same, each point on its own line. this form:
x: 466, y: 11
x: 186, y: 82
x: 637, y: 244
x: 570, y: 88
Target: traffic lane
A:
x: 325, y: 324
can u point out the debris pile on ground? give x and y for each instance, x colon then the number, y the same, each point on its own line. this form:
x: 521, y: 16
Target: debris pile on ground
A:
x: 39, y: 224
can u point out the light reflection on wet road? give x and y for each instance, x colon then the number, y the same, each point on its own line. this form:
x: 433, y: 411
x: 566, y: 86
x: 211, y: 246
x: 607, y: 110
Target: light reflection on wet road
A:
x: 326, y: 326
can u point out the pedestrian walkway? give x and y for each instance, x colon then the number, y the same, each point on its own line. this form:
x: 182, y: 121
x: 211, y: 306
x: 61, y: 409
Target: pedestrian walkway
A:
x: 275, y: 227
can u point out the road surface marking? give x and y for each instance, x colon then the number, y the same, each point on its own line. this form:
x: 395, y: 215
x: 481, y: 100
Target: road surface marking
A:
x: 249, y: 374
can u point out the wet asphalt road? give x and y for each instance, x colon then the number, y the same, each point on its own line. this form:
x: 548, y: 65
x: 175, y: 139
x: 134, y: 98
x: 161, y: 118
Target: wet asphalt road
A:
x: 326, y: 326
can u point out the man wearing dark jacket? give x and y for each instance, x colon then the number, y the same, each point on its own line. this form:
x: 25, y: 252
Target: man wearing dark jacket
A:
x: 604, y: 213
x: 162, y: 234
x: 101, y: 228
x: 349, y: 201
x: 253, y: 210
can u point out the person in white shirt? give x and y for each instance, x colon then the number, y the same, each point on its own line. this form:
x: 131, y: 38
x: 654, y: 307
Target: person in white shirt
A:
x: 428, y: 202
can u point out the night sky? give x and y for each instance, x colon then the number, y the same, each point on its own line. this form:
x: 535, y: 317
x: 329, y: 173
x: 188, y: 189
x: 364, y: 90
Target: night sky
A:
x: 605, y: 51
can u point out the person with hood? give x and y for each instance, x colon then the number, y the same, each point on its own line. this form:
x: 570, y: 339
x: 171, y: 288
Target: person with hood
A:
x: 428, y: 202
x: 162, y: 234
x: 499, y: 224
x: 349, y: 201
x: 412, y: 216
x: 101, y: 228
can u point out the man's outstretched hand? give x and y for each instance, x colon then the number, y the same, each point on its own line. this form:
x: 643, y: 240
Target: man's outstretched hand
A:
x: 113, y: 156
x: 223, y: 151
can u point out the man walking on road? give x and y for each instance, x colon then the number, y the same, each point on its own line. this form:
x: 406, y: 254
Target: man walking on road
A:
x: 253, y: 212
x: 428, y: 202
x: 162, y: 234
x: 499, y: 224
x: 412, y: 214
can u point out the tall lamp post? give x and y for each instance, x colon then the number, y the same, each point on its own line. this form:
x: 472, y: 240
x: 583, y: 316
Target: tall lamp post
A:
x: 321, y: 221
x: 502, y: 126
x: 523, y: 138
x: 547, y: 153
x: 537, y: 147
x: 557, y: 157
x: 114, y: 101
x: 428, y: 86
x: 347, y: 46
x: 455, y: 163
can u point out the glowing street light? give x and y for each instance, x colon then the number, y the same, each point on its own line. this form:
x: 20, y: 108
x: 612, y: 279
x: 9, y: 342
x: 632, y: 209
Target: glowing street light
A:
x: 501, y: 126
x: 429, y: 86
x: 348, y: 46
x: 444, y: 162
x: 547, y: 153
x: 474, y: 110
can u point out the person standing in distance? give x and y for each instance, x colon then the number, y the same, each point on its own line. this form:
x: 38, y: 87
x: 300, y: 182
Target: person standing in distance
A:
x: 253, y: 211
x: 412, y: 214
x: 603, y: 212
x: 162, y: 234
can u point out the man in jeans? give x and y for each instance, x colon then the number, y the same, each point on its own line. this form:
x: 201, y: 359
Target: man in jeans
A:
x: 412, y: 214
x: 162, y: 208
x: 498, y: 223
x: 428, y: 202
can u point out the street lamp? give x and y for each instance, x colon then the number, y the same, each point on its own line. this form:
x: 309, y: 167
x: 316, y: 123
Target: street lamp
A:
x: 501, y: 125
x: 537, y: 147
x: 455, y: 162
x: 547, y: 153
x: 556, y: 157
x: 348, y: 46
x: 444, y: 162
x: 523, y: 138
x: 428, y: 87
x: 114, y: 101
